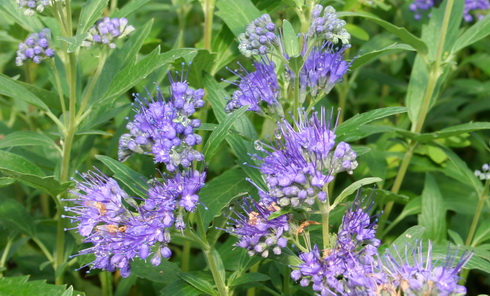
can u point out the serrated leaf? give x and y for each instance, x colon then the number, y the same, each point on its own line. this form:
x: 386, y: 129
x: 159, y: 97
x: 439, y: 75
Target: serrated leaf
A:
x: 353, y: 188
x: 166, y: 272
x: 248, y: 278
x: 410, y: 236
x: 290, y: 39
x: 129, y: 8
x: 135, y: 182
x: 401, y: 33
x: 372, y: 55
x: 9, y: 88
x: 218, y: 193
x: 91, y: 12
x: 12, y: 286
x: 237, y: 14
x: 132, y: 74
x: 14, y: 216
x: 433, y: 216
x: 358, y: 120
x: 198, y: 283
x: 21, y: 138
x: 221, y: 132
x: 181, y: 288
x: 13, y: 163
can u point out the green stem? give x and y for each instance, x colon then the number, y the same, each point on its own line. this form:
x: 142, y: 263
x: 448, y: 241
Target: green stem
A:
x: 106, y: 283
x: 254, y: 268
x: 186, y: 252
x: 325, y: 212
x: 286, y: 284
x: 296, y: 95
x: 223, y: 290
x: 43, y: 248
x: 6, y: 251
x: 208, y: 8
x: 59, y: 89
x: 434, y: 73
x: 481, y: 202
x: 113, y: 5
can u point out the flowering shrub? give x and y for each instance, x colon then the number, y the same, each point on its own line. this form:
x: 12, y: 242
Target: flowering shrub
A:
x: 296, y: 147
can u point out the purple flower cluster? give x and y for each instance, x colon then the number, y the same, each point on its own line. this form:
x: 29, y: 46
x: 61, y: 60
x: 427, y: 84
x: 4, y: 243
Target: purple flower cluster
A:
x: 35, y: 48
x: 106, y: 31
x: 323, y: 68
x: 302, y: 159
x: 257, y: 87
x: 30, y: 6
x: 119, y: 234
x: 164, y: 128
x: 328, y: 26
x: 420, y: 6
x: 351, y: 267
x: 475, y: 8
x: 259, y: 37
x: 416, y: 274
x: 256, y: 232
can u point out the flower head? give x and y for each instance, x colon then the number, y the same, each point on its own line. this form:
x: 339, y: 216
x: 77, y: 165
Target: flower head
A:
x: 31, y: 6
x: 328, y: 26
x: 323, y: 68
x: 257, y: 87
x: 164, y: 128
x: 256, y: 232
x: 475, y: 8
x: 420, y: 6
x: 484, y: 174
x: 259, y: 37
x: 35, y: 48
x: 106, y: 31
x: 417, y: 274
x: 302, y: 159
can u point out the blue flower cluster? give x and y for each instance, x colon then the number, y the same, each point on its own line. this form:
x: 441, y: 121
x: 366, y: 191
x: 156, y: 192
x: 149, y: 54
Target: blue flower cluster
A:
x: 302, y: 159
x: 472, y: 8
x: 164, y: 128
x: 257, y: 87
x: 259, y: 37
x: 256, y: 231
x: 35, y: 48
x: 419, y: 6
x: 106, y: 31
x: 484, y: 174
x: 328, y: 26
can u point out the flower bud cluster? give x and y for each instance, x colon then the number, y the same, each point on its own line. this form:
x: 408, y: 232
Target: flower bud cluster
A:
x: 164, y: 128
x: 31, y: 6
x: 257, y: 87
x: 259, y: 37
x: 35, y: 48
x: 256, y: 232
x: 484, y: 174
x: 420, y: 6
x: 302, y: 159
x: 107, y: 31
x: 475, y: 8
x: 327, y: 26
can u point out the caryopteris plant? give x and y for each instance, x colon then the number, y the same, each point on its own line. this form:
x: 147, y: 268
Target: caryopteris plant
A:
x: 244, y: 147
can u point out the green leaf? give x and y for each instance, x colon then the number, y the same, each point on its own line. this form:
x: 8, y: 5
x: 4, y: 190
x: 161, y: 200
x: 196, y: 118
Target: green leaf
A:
x: 30, y: 24
x: 13, y: 163
x: 91, y: 12
x: 291, y: 44
x: 477, y: 32
x: 482, y: 233
x: 382, y: 195
x: 459, y: 171
x: 249, y: 277
x: 410, y: 236
x: 19, y: 286
x: 237, y: 14
x: 357, y: 32
x: 221, y: 132
x: 17, y: 139
x: 454, y: 130
x: 4, y: 182
x: 134, y: 181
x: 181, y: 288
x: 457, y: 239
x: 401, y: 33
x: 74, y: 42
x: 372, y: 55
x: 353, y: 123
x: 216, y: 96
x: 433, y: 216
x: 353, y: 188
x: 9, y: 88
x: 279, y: 213
x: 129, y: 8
x: 132, y: 74
x: 219, y: 192
x: 198, y: 283
x: 14, y: 216
x: 166, y: 272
